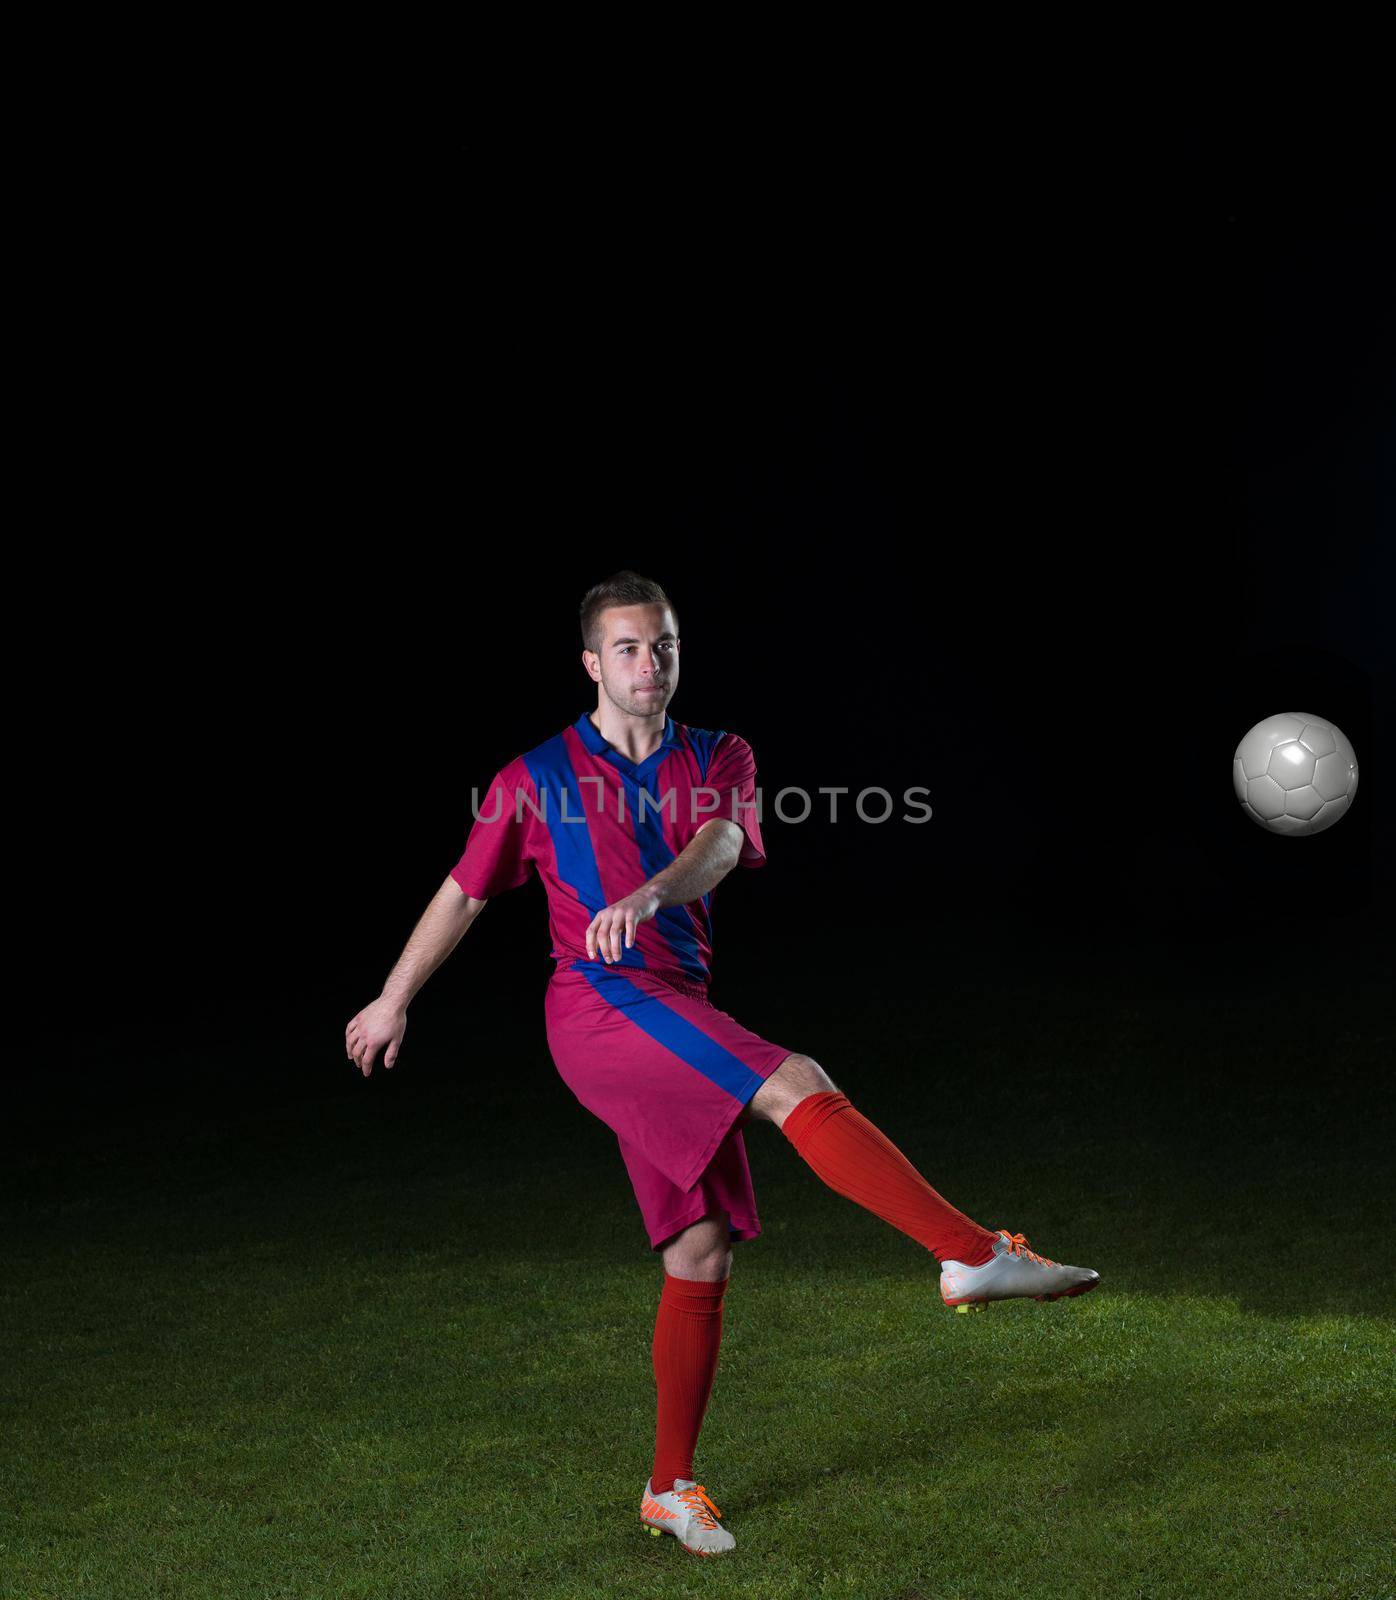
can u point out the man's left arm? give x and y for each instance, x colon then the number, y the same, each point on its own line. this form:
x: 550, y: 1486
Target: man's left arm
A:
x: 700, y: 866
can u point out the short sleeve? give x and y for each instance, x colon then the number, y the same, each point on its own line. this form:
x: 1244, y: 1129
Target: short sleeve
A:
x: 732, y: 773
x: 496, y: 851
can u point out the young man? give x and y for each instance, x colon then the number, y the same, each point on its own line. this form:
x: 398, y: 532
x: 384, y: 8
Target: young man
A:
x: 632, y: 820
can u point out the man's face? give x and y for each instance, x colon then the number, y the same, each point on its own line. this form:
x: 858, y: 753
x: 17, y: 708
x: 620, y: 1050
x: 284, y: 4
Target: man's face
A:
x: 638, y: 663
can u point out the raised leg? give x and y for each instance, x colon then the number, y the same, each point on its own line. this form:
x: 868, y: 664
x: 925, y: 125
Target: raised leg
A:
x: 857, y: 1160
x: 795, y: 1078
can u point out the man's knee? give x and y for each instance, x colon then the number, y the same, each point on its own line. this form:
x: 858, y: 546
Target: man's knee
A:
x: 703, y: 1250
x: 795, y: 1078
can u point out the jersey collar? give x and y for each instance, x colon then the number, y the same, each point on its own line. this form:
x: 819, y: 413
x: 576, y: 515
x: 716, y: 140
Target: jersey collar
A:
x: 591, y: 737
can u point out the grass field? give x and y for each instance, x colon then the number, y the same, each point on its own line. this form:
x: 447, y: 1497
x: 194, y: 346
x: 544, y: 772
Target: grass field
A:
x: 392, y: 1339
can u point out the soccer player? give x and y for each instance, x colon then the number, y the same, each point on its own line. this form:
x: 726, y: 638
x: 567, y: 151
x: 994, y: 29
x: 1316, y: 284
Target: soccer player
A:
x: 632, y: 820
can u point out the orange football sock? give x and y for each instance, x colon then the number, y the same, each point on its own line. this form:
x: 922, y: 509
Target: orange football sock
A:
x: 861, y: 1163
x: 687, y: 1333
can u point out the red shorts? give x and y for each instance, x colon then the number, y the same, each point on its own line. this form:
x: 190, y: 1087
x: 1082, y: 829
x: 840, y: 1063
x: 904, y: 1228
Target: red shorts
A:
x: 669, y: 1074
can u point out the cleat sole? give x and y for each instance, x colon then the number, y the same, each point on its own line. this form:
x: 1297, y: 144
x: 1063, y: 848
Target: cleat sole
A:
x: 1061, y: 1294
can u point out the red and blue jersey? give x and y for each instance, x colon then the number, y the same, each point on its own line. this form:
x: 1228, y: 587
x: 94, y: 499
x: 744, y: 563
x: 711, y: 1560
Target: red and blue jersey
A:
x: 596, y: 826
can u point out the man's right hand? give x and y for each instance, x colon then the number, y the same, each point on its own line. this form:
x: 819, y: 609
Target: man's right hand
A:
x: 382, y: 1023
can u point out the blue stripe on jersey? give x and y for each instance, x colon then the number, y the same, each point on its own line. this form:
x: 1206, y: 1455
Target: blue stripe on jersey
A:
x: 554, y: 776
x: 665, y: 1026
x: 703, y: 741
x: 673, y: 922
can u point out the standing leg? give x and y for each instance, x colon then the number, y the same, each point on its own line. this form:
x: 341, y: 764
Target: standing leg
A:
x: 687, y: 1334
x: 858, y: 1161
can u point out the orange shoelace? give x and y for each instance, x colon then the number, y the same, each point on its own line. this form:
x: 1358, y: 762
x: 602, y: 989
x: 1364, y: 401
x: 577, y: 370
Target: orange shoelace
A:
x: 1018, y: 1246
x: 691, y: 1498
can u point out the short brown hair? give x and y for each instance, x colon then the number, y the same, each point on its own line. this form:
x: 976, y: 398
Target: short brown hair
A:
x: 624, y: 588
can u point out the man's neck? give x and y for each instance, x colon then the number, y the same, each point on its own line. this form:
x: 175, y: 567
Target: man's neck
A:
x: 636, y: 738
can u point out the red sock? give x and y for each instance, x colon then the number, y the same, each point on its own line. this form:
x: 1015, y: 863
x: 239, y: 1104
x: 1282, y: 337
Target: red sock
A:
x: 687, y: 1333
x: 861, y: 1163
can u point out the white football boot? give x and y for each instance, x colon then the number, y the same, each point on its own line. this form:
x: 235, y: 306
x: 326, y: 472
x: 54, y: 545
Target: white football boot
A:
x: 687, y: 1513
x: 1015, y: 1272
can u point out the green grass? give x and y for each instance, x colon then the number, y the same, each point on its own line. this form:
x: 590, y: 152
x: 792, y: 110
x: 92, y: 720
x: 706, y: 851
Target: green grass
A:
x: 392, y: 1339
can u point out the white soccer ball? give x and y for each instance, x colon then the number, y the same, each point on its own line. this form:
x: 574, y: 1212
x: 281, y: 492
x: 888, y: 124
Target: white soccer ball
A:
x: 1294, y: 773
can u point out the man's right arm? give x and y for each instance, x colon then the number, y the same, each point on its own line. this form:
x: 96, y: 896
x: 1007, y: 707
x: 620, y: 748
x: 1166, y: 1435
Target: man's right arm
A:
x: 439, y: 930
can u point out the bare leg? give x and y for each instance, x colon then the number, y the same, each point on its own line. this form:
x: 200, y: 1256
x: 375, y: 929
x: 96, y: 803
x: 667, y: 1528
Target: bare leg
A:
x: 796, y: 1077
x: 702, y: 1251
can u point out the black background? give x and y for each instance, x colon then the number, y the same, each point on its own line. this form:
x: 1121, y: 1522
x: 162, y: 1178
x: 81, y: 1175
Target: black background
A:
x: 1037, y: 492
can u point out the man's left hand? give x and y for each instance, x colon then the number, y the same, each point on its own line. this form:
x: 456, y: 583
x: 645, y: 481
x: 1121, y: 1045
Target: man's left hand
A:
x: 618, y: 922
